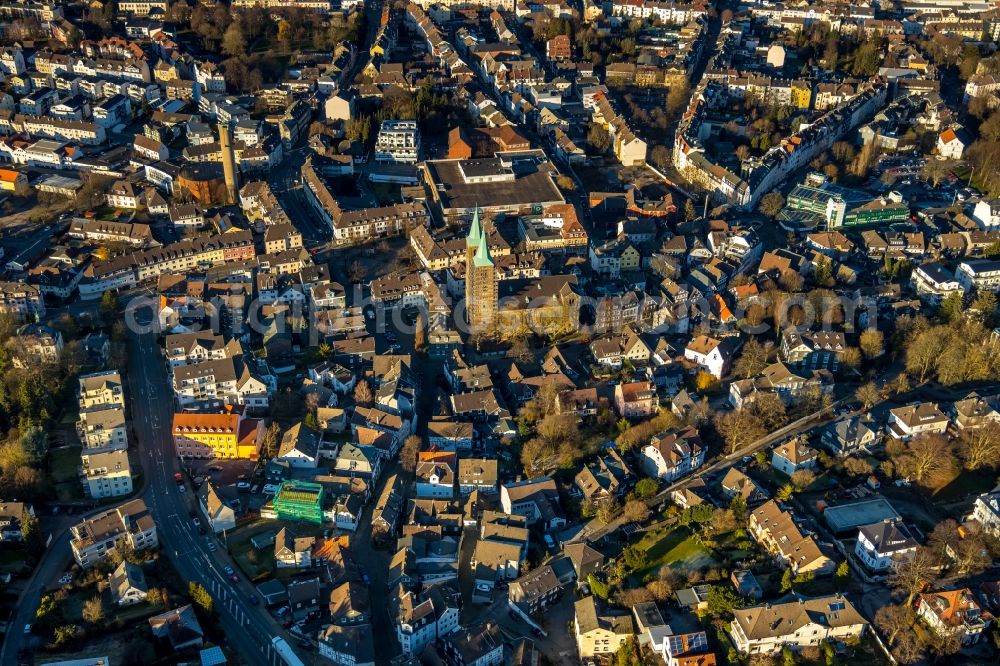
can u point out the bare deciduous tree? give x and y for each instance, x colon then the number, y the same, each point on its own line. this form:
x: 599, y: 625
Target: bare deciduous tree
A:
x: 739, y: 428
x: 980, y: 447
x: 928, y: 459
x: 363, y: 393
x: 635, y: 511
x: 868, y: 394
x: 753, y: 359
x: 911, y: 577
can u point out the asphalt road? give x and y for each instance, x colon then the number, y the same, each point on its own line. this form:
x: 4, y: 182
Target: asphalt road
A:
x: 249, y: 629
x: 56, y: 560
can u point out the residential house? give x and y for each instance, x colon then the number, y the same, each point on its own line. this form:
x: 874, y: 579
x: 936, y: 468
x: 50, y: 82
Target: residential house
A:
x: 11, y: 520
x: 350, y: 604
x: 131, y: 523
x: 954, y: 613
x: 792, y: 456
x: 300, y: 446
x: 636, y: 400
x: 746, y: 584
x: 973, y: 412
x: 916, y: 419
x: 534, y: 591
x: 217, y: 511
x: 672, y: 455
x: 585, y: 559
x: 986, y: 512
x: 359, y: 460
x: 769, y: 628
x: 812, y: 349
x: 885, y: 545
x: 776, y: 531
x: 435, y: 474
x: 498, y: 555
x: 292, y: 551
x: 477, y: 474
x: 179, y: 627
x: 35, y: 344
x: 607, y: 476
x: 599, y: 633
x: 709, y: 354
x: 735, y: 482
x: 350, y: 645
x: 848, y: 436
x: 933, y: 282
x: 952, y: 142
x: 536, y: 499
x: 423, y: 618
x: 303, y: 598
x: 481, y: 645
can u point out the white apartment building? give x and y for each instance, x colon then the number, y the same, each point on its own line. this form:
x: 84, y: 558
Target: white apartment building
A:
x: 130, y: 523
x: 398, y: 142
x: 199, y: 346
x: 212, y: 384
x: 979, y: 274
x: 103, y: 429
x: 106, y: 474
x: 933, y: 282
x: 100, y: 390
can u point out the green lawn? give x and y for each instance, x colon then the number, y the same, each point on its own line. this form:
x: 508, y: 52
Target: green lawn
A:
x: 678, y: 548
x: 261, y: 565
x: 64, y: 463
x: 64, y: 468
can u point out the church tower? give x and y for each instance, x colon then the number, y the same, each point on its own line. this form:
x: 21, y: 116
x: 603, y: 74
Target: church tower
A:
x: 480, y: 279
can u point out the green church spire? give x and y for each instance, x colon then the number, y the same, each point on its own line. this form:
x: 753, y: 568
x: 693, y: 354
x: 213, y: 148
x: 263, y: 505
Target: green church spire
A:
x: 475, y: 237
x: 482, y: 257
